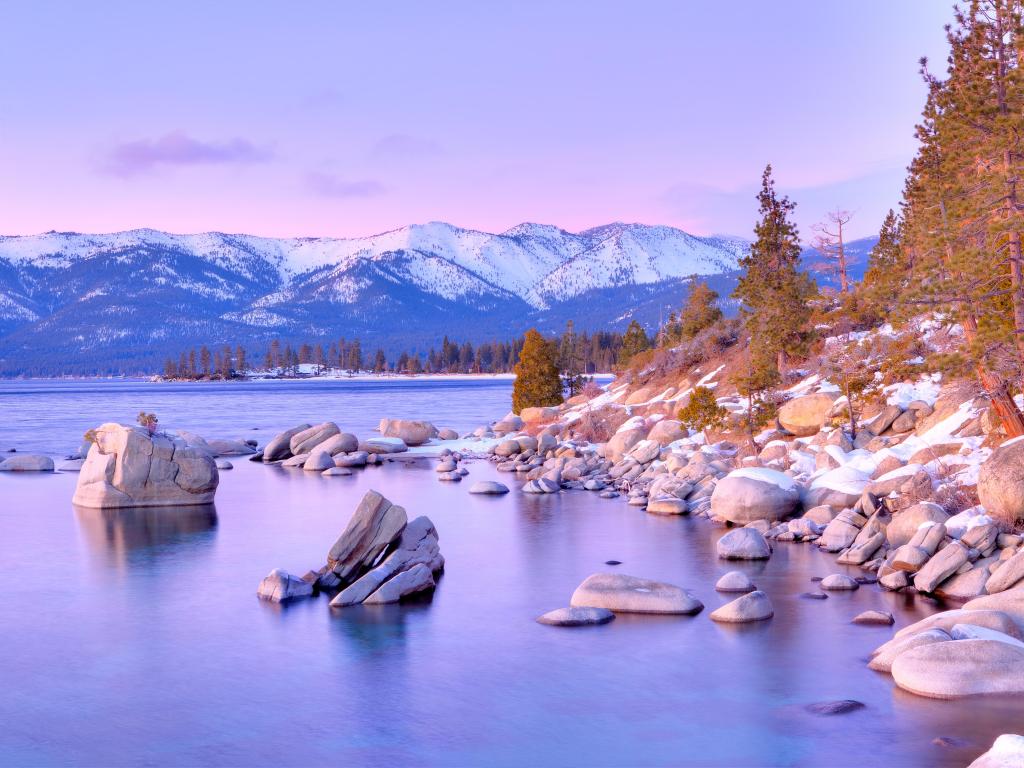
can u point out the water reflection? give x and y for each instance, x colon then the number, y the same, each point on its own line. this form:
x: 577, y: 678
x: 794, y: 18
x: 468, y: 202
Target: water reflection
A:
x: 119, y: 532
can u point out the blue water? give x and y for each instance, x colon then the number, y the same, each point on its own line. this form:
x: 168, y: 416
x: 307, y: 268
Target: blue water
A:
x: 135, y: 637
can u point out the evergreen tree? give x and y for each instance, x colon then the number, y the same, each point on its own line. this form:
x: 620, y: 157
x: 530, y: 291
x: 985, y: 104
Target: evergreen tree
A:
x: 701, y: 310
x: 241, y: 364
x: 634, y: 341
x: 774, y: 294
x: 537, y: 381
x: 380, y: 362
x: 887, y: 277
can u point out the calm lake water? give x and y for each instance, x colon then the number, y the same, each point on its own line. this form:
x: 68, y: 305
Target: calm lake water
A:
x: 135, y: 637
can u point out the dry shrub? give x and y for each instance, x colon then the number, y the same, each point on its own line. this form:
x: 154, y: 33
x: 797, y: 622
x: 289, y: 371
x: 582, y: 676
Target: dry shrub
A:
x: 956, y: 498
x: 591, y: 389
x: 591, y: 428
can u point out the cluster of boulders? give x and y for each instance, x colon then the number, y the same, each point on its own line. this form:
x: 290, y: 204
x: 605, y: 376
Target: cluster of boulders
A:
x: 380, y: 557
x: 135, y: 467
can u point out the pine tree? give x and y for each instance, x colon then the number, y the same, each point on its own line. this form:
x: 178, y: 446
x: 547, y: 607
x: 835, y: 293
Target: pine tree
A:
x: 888, y: 274
x: 634, y: 341
x: 537, y: 381
x: 701, y: 310
x: 380, y: 362
x: 774, y: 294
x: 241, y: 365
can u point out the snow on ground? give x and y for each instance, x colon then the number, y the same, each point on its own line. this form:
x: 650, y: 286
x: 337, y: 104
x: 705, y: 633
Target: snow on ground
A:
x: 463, y: 445
x: 926, y: 388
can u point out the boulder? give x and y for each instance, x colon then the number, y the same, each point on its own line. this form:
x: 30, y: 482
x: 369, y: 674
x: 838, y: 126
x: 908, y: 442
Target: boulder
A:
x: 27, y: 462
x: 337, y: 472
x: 753, y: 606
x: 961, y: 668
x: 628, y: 594
x: 223, y: 464
x: 447, y: 434
x: 1007, y: 576
x: 905, y: 524
x: 374, y: 526
x: 489, y: 487
x: 280, y: 447
x: 129, y: 467
x: 839, y: 582
x: 411, y: 432
x: 803, y: 416
x: 308, y: 439
x: 1001, y: 482
x: 874, y: 617
x: 841, y: 487
x: 883, y: 420
x: 842, y: 531
x: 974, y: 632
x: 645, y: 451
x: 576, y: 617
x: 343, y: 442
x: 353, y: 459
x: 667, y: 505
x: 318, y: 461
x: 734, y: 581
x: 749, y: 494
x: 1000, y: 621
x: 539, y: 414
x: 413, y: 581
x: 383, y: 445
x: 882, y: 658
x: 743, y: 544
x: 941, y: 566
x: 622, y: 442
x: 1007, y: 752
x: 221, y: 447
x: 417, y: 546
x: 279, y: 586
x: 666, y: 431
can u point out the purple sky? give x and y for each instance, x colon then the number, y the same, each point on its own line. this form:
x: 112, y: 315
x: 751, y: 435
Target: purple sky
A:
x: 338, y: 118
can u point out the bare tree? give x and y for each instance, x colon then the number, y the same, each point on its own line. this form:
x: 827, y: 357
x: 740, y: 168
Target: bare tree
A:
x: 830, y: 244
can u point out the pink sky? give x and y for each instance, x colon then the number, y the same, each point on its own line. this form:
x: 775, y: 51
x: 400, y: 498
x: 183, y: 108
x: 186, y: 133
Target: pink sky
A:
x: 345, y: 119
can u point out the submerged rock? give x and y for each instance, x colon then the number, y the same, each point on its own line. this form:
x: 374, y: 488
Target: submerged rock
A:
x: 489, y: 487
x: 750, y: 494
x: 840, y: 707
x: 734, y: 581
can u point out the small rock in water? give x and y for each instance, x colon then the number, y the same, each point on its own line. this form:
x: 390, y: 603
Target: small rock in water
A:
x: 279, y: 585
x: 224, y: 464
x: 839, y: 582
x: 448, y: 465
x: 608, y: 494
x: 452, y: 477
x: 337, y: 472
x: 734, y: 581
x: 840, y: 707
x: 874, y: 617
x: 576, y: 617
x: 814, y: 596
x: 866, y: 579
x: 753, y: 606
x: 613, y: 562
x: 817, y: 578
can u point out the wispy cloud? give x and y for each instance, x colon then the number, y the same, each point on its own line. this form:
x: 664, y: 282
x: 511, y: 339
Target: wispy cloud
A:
x: 328, y: 185
x: 135, y: 158
x: 404, y: 145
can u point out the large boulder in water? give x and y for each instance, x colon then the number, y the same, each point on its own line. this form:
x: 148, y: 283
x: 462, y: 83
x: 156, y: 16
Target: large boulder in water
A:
x: 803, y: 416
x: 129, y: 467
x: 27, y: 462
x: 308, y: 439
x: 1007, y: 752
x: 754, y: 493
x: 374, y: 526
x: 1001, y: 482
x: 417, y: 548
x: 411, y: 432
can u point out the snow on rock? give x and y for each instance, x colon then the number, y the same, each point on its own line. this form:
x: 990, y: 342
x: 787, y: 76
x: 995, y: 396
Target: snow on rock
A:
x: 926, y: 389
x: 962, y: 522
x: 763, y: 475
x: 845, y: 479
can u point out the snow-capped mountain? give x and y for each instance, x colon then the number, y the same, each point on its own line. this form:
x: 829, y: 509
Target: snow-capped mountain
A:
x: 126, y: 300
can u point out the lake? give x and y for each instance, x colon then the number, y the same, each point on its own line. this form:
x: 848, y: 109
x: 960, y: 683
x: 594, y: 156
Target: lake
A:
x: 135, y: 637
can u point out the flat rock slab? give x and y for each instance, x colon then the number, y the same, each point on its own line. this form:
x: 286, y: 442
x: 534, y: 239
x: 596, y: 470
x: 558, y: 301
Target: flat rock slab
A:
x: 753, y: 606
x: 27, y: 462
x: 622, y: 593
x: 337, y: 472
x: 576, y: 617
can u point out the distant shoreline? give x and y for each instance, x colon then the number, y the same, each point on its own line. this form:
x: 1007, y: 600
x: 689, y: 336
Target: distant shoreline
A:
x: 322, y: 378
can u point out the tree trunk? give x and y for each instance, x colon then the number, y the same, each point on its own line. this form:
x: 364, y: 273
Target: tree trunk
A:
x: 844, y: 282
x: 849, y: 411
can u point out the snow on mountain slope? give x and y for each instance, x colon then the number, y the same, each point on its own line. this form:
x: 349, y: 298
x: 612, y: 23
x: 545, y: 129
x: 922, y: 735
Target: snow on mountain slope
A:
x: 538, y: 263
